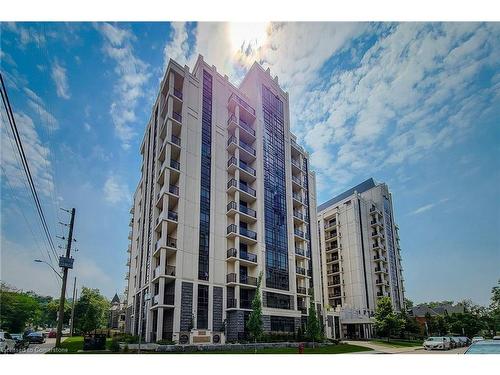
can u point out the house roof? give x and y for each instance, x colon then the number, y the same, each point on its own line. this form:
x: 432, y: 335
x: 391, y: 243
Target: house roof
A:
x: 115, y: 299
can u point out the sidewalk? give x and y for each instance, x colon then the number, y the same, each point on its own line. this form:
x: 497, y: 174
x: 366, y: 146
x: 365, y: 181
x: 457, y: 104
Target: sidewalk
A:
x: 382, y: 349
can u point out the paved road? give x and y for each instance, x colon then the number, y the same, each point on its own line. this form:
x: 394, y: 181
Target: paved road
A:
x: 382, y: 349
x: 41, y: 348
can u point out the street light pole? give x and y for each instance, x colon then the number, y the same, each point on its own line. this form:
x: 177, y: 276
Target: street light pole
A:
x: 48, y: 264
x: 65, y: 267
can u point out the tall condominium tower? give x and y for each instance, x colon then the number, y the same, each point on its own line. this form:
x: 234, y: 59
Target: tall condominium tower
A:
x: 225, y: 195
x: 360, y: 257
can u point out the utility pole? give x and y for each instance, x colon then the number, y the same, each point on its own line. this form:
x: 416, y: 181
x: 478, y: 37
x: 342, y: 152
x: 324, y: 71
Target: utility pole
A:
x: 65, y: 263
x: 73, y: 309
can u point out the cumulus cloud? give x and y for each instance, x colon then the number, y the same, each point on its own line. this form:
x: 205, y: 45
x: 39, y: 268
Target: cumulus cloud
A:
x: 37, y: 154
x: 115, y: 191
x: 37, y: 105
x: 60, y: 78
x: 132, y: 75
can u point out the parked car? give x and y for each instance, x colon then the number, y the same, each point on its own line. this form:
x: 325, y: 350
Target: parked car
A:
x: 484, y: 347
x: 7, y: 343
x: 454, y: 342
x: 52, y: 334
x: 477, y: 338
x: 496, y: 337
x: 21, y: 342
x: 36, y: 337
x: 465, y: 341
x: 441, y: 342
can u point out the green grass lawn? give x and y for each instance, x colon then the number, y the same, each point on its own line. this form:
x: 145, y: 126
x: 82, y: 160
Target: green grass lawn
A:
x: 331, y: 349
x: 397, y: 343
x: 73, y: 344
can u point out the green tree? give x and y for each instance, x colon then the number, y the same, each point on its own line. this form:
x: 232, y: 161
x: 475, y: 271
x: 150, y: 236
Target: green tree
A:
x: 409, y: 326
x: 254, y: 324
x: 91, y: 311
x: 51, y: 311
x: 387, y: 322
x: 494, y: 310
x: 313, y: 328
x: 18, y: 309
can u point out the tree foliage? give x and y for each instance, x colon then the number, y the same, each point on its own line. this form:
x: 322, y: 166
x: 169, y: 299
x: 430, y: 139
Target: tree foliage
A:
x: 387, y: 322
x: 254, y: 324
x: 18, y: 309
x: 313, y: 328
x: 91, y: 311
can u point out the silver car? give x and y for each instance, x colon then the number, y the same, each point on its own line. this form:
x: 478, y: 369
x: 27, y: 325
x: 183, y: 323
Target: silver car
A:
x: 440, y: 342
x: 7, y: 343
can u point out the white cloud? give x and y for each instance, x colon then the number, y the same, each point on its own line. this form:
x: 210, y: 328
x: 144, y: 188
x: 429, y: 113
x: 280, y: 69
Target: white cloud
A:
x: 178, y: 47
x: 428, y: 207
x: 87, y: 126
x: 37, y: 154
x: 60, y: 80
x: 37, y: 105
x: 132, y: 75
x: 115, y: 191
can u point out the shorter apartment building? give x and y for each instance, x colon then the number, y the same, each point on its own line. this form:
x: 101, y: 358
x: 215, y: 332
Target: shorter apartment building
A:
x: 360, y: 258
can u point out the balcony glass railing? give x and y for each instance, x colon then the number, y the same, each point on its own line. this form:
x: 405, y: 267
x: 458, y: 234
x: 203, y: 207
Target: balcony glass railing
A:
x: 232, y: 303
x: 172, y: 215
x: 248, y: 280
x: 175, y: 140
x: 247, y: 147
x: 248, y: 256
x: 298, y: 232
x: 178, y: 93
x: 248, y: 211
x: 168, y: 299
x: 242, y: 103
x: 247, y: 168
x: 173, y: 189
x: 300, y: 251
x: 247, y: 189
x: 297, y: 197
x: 248, y: 233
x: 245, y: 304
x: 300, y: 270
x: 177, y: 116
x: 296, y: 180
x: 296, y: 163
x: 298, y: 215
x: 301, y: 290
x: 170, y: 270
x: 175, y: 164
x: 242, y: 125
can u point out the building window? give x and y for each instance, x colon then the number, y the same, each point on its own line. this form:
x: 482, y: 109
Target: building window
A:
x: 275, y: 210
x: 206, y: 159
x: 282, y: 324
x: 278, y: 301
x: 202, y: 314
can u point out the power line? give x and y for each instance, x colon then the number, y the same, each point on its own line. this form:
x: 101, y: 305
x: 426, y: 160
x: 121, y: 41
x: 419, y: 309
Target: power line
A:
x: 13, y: 125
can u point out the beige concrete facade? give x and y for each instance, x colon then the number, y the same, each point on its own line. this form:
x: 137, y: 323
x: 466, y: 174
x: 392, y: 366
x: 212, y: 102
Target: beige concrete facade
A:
x: 360, y: 256
x: 180, y: 299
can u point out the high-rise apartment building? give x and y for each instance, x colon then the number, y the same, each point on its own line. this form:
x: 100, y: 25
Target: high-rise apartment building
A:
x: 360, y: 257
x: 225, y: 195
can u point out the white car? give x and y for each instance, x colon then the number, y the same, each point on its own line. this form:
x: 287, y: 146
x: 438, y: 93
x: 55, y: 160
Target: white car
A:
x: 442, y: 343
x: 477, y: 338
x: 7, y: 343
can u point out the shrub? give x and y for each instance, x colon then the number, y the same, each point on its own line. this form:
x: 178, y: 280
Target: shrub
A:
x: 165, y: 342
x: 114, y: 346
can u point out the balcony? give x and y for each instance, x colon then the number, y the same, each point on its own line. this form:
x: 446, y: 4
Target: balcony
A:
x: 248, y: 233
x: 331, y: 225
x: 333, y: 258
x: 333, y: 270
x: 243, y: 255
x: 380, y: 258
x: 297, y: 181
x: 245, y: 304
x: 301, y: 290
x: 248, y: 280
x: 302, y: 309
x: 174, y: 164
x: 177, y: 93
x: 297, y: 197
x: 331, y: 236
x: 232, y: 303
x: 172, y: 189
x: 296, y: 163
x: 171, y: 215
x: 236, y: 100
x: 233, y: 207
x: 380, y: 270
x: 334, y: 282
x: 301, y: 252
x: 175, y: 140
x: 177, y: 117
x: 130, y: 235
x: 168, y: 271
x: 300, y: 270
x: 247, y: 129
x: 299, y: 233
x: 296, y: 146
x: 232, y: 163
x: 245, y: 191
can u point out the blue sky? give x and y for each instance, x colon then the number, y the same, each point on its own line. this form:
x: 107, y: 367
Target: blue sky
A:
x: 416, y: 105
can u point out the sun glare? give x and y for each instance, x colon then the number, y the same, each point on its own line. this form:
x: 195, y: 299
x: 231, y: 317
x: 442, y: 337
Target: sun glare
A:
x: 243, y: 34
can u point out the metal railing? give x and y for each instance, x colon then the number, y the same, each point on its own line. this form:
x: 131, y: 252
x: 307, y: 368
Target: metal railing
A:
x: 248, y: 280
x: 298, y: 232
x: 300, y: 270
x: 173, y: 189
x: 248, y: 256
x: 232, y: 253
x: 172, y: 215
x: 232, y: 303
x: 175, y: 164
x: 247, y: 168
x: 300, y: 251
x: 298, y: 215
x: 296, y: 180
x: 175, y: 140
x: 233, y: 228
x: 301, y: 290
x: 297, y: 197
x: 248, y: 211
x: 245, y: 146
x: 242, y: 124
x: 231, y: 278
x: 248, y: 189
x: 242, y: 103
x: 177, y: 116
x: 248, y: 233
x: 178, y: 93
